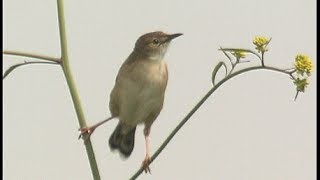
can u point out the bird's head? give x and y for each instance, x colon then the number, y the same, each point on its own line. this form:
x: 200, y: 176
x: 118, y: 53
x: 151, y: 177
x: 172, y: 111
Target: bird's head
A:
x: 154, y: 45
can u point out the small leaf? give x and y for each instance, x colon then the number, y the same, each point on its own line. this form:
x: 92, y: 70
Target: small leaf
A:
x: 224, y: 52
x: 8, y: 71
x: 216, y: 69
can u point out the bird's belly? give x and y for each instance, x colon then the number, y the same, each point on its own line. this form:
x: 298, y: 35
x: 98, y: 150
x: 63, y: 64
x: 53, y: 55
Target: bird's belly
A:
x: 138, y: 102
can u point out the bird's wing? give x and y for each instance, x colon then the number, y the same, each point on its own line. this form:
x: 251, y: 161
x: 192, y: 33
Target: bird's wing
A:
x: 113, y: 103
x: 114, y: 96
x: 165, y: 80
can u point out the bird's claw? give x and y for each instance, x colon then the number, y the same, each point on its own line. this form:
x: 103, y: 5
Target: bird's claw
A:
x: 145, y: 164
x: 85, y: 133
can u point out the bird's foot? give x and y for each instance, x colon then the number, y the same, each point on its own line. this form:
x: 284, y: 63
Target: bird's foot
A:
x: 145, y: 164
x: 86, y: 132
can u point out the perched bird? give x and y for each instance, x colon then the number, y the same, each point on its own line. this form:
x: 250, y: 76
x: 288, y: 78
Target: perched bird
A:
x: 138, y: 93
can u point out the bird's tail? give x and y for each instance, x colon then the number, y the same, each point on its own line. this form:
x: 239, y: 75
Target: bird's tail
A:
x: 122, y: 142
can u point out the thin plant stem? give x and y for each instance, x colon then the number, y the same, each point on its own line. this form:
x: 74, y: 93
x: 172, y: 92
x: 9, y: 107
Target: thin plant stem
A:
x: 73, y: 90
x: 262, y: 58
x: 196, y: 107
x: 8, y: 71
x: 30, y: 55
x: 232, y: 68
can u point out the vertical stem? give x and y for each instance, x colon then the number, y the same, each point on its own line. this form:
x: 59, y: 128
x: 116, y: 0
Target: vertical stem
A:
x: 262, y: 58
x: 72, y: 88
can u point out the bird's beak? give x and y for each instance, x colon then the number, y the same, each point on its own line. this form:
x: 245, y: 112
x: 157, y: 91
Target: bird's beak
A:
x: 172, y: 36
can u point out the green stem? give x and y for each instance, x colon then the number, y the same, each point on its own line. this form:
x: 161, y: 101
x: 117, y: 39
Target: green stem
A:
x: 187, y: 117
x: 73, y: 90
x: 30, y: 55
x: 232, y: 68
x: 8, y: 71
x: 262, y: 59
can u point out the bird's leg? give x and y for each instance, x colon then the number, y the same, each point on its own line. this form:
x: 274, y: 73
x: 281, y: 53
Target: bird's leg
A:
x: 147, y: 159
x: 89, y: 130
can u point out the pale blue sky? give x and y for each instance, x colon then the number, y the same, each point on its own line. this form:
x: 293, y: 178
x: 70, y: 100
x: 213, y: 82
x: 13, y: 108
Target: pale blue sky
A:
x: 249, y: 129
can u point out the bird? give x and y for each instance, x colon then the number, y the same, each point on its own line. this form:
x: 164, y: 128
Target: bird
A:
x: 138, y: 94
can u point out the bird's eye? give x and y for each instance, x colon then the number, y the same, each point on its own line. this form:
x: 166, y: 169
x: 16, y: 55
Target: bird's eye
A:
x: 155, y: 41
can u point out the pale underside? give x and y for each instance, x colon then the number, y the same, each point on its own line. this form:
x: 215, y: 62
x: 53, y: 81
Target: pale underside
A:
x: 138, y: 94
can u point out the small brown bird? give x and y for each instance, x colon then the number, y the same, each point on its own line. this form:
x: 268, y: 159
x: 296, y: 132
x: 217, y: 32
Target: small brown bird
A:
x: 138, y: 94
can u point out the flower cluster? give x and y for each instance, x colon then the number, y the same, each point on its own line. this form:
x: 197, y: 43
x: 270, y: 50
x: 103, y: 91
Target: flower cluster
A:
x: 261, y: 43
x: 239, y: 54
x: 303, y: 64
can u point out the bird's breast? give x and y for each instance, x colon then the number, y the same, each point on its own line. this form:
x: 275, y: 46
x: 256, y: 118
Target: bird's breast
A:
x: 150, y: 75
x: 142, y: 91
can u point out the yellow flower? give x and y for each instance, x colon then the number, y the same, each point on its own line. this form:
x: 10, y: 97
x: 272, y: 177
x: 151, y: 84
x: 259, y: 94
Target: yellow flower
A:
x: 261, y: 43
x: 239, y: 54
x: 303, y: 64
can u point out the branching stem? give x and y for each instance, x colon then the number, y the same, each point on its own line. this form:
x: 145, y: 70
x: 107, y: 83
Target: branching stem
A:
x: 196, y: 107
x: 30, y: 55
x: 8, y: 71
x: 73, y: 90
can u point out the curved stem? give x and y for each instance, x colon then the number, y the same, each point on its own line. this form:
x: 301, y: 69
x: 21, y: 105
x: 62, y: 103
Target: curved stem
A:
x: 8, y: 71
x: 30, y: 55
x: 73, y: 90
x: 196, y: 107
